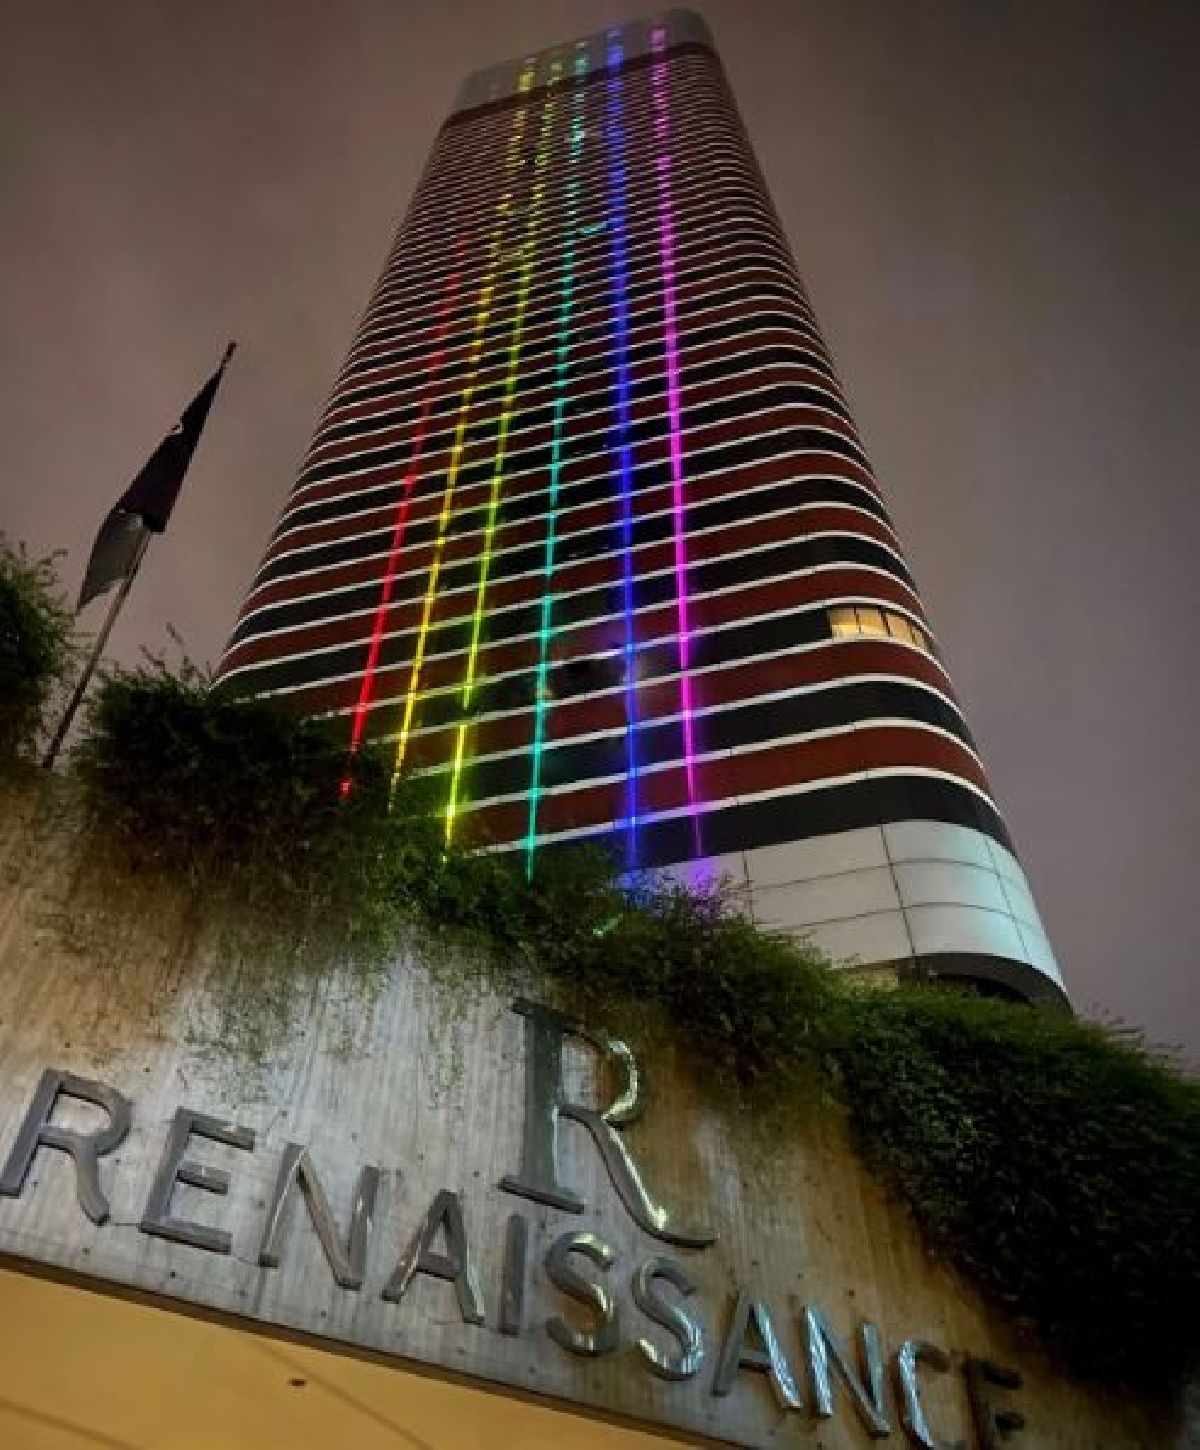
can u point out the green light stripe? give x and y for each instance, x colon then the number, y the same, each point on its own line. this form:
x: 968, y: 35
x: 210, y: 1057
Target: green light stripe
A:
x: 529, y: 249
x: 560, y: 399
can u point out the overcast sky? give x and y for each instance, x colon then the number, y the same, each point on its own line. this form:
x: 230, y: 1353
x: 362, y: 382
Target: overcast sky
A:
x: 993, y: 202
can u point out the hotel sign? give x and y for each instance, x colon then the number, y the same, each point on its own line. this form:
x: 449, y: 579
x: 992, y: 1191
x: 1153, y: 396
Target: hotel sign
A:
x: 571, y: 1257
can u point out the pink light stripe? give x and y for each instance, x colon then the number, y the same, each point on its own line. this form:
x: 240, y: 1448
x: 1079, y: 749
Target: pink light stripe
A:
x: 662, y: 135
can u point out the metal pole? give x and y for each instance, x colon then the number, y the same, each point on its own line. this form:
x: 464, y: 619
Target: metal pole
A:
x: 97, y: 650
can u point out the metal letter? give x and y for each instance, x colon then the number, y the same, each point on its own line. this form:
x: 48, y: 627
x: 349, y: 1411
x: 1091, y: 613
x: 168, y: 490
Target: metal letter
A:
x: 912, y: 1414
x: 992, y: 1425
x: 736, y: 1354
x: 563, y: 1275
x: 512, y: 1283
x: 348, y: 1262
x: 673, y: 1317
x: 824, y: 1346
x: 86, y: 1149
x: 456, y: 1265
x: 545, y: 1105
x: 157, y: 1218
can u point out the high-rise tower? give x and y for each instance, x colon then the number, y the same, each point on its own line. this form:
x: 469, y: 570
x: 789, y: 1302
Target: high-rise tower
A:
x: 587, y: 530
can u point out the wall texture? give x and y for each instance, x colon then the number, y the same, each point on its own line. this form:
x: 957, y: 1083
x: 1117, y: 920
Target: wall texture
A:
x: 108, y: 978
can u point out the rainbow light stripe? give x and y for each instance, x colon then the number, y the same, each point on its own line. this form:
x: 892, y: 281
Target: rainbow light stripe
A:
x: 615, y: 95
x: 366, y: 688
x: 615, y: 139
x: 524, y: 286
x: 562, y: 367
x: 483, y: 314
x: 666, y: 222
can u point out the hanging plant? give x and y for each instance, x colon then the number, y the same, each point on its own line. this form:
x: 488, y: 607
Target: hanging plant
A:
x: 37, y: 648
x: 1053, y: 1162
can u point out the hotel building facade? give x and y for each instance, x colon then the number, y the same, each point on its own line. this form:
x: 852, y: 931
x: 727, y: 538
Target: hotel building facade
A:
x: 586, y: 530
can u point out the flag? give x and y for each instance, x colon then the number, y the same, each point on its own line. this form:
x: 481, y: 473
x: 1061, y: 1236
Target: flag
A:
x: 145, y: 506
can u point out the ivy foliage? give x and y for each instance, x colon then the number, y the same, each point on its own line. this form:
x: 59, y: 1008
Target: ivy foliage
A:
x: 258, y: 806
x: 1055, y: 1163
x: 36, y: 648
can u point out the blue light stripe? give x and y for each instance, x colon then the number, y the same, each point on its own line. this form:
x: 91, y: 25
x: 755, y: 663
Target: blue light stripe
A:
x: 615, y: 138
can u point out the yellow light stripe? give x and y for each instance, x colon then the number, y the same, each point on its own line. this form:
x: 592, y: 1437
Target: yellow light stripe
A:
x: 482, y: 317
x: 529, y: 249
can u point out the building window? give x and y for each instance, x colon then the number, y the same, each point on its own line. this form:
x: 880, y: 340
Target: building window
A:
x: 849, y: 621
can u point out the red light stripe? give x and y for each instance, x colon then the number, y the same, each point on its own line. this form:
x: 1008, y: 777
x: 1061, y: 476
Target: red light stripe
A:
x: 363, y: 707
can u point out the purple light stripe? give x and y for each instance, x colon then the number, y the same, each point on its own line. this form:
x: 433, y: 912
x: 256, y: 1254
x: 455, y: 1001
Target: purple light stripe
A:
x: 662, y: 136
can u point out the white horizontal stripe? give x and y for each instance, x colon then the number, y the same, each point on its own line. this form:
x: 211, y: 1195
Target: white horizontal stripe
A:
x: 644, y: 325
x: 338, y: 480
x: 701, y: 115
x: 694, y: 671
x: 406, y: 284
x: 576, y: 833
x: 566, y: 537
x: 559, y: 629
x: 707, y: 284
x: 463, y: 131
x: 563, y: 514
x: 537, y: 392
x: 592, y: 264
x: 695, y: 453
x: 513, y: 447
x: 333, y: 592
x: 667, y: 678
x: 703, y: 271
x: 829, y: 732
x: 478, y: 140
x: 654, y: 721
x: 426, y: 227
x: 730, y: 190
x: 393, y: 419
x: 589, y: 380
x: 730, y: 181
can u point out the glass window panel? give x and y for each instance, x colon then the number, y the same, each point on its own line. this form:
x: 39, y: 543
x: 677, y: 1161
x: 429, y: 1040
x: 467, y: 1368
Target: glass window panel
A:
x: 870, y: 621
x: 842, y: 621
x: 899, y: 628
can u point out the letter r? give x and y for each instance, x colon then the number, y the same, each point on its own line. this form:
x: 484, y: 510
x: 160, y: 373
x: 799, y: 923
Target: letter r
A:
x: 86, y: 1149
x: 545, y: 1106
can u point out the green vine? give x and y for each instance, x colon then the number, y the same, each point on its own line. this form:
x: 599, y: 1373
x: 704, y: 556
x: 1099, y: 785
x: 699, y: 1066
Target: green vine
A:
x: 37, y: 649
x: 1054, y: 1162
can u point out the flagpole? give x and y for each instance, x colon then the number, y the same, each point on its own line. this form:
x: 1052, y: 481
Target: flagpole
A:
x: 146, y: 505
x: 97, y: 650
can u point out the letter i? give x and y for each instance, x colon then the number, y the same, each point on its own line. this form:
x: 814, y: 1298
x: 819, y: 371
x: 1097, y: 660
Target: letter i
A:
x: 512, y: 1287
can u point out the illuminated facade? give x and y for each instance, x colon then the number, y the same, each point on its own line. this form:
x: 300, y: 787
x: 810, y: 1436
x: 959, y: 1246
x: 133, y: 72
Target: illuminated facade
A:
x: 587, y: 530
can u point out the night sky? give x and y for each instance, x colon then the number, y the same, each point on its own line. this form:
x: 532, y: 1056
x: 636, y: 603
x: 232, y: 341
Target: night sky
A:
x: 994, y: 206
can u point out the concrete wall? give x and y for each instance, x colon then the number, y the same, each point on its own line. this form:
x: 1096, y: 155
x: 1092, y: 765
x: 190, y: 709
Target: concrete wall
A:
x: 108, y: 979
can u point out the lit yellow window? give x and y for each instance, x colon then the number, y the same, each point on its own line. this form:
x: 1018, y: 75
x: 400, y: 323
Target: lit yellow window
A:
x: 847, y: 623
x: 899, y: 628
x: 870, y: 621
x: 903, y: 629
